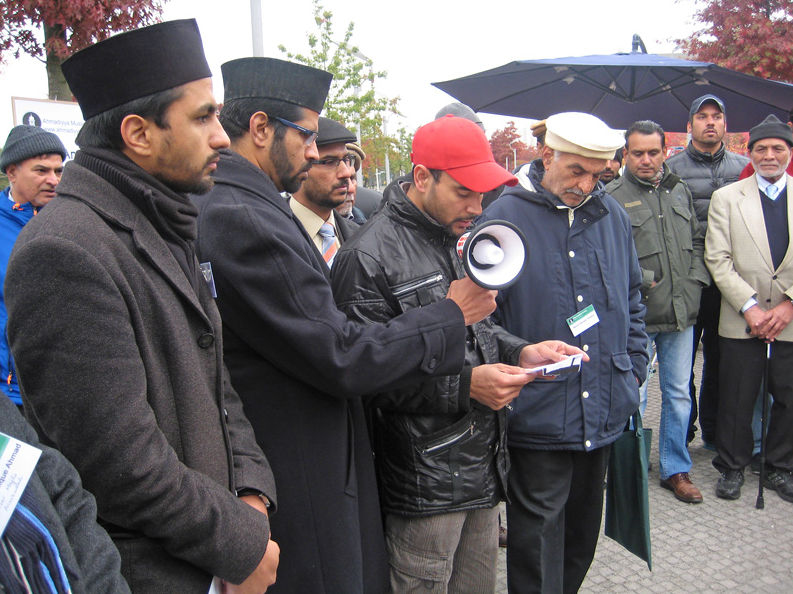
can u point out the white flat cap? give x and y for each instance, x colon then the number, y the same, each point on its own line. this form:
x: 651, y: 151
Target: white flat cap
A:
x: 582, y: 134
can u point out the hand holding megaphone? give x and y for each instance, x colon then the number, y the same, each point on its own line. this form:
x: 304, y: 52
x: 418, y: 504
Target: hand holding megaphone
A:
x: 494, y: 254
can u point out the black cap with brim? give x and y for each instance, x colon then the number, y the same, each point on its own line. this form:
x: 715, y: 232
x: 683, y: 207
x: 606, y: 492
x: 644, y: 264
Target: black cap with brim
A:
x: 700, y: 101
x: 331, y: 132
x: 136, y: 64
x: 268, y: 78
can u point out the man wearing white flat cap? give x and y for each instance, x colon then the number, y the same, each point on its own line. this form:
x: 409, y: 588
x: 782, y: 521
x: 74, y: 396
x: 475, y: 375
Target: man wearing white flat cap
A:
x: 582, y: 286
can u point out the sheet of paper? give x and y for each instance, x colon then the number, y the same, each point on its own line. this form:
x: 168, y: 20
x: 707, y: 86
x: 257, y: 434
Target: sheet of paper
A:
x: 17, y: 462
x: 570, y: 365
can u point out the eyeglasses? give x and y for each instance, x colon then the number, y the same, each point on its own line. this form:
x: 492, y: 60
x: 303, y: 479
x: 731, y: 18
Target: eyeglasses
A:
x: 310, y: 135
x: 333, y: 162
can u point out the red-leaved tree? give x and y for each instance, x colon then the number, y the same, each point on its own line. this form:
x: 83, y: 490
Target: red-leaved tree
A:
x: 502, y: 142
x: 750, y: 36
x: 52, y: 30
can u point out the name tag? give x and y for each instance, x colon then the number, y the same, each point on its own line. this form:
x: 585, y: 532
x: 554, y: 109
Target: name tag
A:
x: 17, y: 462
x: 583, y: 320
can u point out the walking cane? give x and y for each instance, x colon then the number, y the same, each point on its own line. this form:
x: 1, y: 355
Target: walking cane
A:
x: 760, y: 501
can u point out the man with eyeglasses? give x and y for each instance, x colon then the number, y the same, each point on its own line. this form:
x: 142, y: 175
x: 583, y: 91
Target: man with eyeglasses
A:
x: 326, y: 188
x: 299, y: 365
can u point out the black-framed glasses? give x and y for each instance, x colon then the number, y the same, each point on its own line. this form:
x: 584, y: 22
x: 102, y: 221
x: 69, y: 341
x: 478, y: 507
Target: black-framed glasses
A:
x: 309, y: 135
x: 333, y: 162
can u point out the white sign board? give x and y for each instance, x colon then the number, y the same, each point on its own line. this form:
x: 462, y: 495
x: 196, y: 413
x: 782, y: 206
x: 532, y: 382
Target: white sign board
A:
x: 63, y: 118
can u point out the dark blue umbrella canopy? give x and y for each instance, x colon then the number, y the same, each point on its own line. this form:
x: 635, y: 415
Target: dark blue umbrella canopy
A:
x: 621, y: 89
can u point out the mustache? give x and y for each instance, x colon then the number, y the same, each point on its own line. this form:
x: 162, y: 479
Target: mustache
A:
x: 575, y: 191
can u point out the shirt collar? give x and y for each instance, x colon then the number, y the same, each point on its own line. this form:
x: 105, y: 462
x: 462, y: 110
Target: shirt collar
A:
x: 310, y: 220
x: 763, y: 183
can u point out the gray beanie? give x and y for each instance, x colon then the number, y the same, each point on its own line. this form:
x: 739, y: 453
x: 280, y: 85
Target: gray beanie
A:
x: 24, y: 142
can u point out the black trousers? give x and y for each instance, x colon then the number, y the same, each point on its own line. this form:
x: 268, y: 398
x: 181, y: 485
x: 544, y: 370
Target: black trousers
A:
x: 554, y: 514
x: 742, y: 363
x: 707, y: 330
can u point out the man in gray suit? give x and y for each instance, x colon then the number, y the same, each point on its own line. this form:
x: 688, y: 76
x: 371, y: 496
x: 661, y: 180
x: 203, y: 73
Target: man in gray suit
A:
x: 747, y: 252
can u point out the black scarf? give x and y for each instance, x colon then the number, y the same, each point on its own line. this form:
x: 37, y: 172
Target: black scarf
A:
x: 172, y: 214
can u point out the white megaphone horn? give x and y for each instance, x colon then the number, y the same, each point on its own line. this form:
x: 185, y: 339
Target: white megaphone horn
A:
x: 494, y: 254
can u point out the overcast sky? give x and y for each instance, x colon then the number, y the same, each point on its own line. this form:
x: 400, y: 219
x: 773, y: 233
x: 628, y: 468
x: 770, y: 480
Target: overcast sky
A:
x: 416, y: 41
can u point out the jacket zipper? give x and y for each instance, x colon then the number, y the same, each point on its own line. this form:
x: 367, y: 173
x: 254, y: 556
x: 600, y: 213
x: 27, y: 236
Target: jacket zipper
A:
x: 450, y: 441
x: 418, y: 284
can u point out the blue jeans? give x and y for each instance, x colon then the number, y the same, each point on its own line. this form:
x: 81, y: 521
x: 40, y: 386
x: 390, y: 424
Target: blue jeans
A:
x: 674, y: 367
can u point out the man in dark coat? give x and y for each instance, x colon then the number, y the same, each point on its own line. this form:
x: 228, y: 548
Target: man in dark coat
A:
x: 120, y: 358
x: 299, y: 365
x: 706, y: 165
x: 582, y: 285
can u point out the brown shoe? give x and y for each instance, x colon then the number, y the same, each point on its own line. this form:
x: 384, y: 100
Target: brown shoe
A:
x: 682, y: 487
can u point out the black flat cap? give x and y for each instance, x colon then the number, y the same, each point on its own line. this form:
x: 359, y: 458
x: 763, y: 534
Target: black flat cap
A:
x: 136, y: 64
x: 771, y: 127
x: 268, y: 78
x: 331, y: 132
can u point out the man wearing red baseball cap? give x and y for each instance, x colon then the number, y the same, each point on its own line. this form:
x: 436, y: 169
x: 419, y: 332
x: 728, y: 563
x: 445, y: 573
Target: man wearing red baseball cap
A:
x: 439, y: 444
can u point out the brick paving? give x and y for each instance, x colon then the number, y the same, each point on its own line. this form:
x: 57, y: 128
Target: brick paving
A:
x: 713, y: 547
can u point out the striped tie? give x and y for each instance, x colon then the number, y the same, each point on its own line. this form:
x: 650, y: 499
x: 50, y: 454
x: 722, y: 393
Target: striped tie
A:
x: 328, y: 234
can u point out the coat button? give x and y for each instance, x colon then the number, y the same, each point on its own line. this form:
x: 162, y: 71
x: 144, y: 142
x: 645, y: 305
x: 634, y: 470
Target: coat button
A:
x: 206, y: 340
x: 571, y: 253
x: 585, y: 348
x: 588, y: 443
x: 774, y: 277
x: 433, y: 363
x: 585, y: 394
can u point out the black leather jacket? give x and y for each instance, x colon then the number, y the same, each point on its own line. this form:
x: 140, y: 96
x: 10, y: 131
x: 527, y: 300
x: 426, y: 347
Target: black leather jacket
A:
x: 436, y: 449
x: 704, y: 173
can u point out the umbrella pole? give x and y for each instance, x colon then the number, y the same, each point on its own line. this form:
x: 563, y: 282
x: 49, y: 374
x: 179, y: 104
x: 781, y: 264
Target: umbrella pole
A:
x: 763, y: 426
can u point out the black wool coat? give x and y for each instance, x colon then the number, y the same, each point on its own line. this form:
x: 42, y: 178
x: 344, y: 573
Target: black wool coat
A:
x: 120, y: 368
x: 300, y: 368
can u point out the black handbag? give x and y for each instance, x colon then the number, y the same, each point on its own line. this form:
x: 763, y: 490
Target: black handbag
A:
x: 627, y: 503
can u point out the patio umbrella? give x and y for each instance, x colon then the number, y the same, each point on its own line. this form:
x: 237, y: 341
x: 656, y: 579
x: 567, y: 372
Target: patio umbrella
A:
x: 621, y: 89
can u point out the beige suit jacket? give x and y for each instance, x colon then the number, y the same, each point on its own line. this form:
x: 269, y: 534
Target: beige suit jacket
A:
x: 738, y: 256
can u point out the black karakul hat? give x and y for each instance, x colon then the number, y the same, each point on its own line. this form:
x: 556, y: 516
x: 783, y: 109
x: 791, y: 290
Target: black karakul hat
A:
x: 136, y: 64
x: 269, y: 78
x: 331, y: 132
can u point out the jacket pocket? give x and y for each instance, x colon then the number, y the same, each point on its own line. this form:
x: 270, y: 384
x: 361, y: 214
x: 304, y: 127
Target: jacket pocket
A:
x: 683, y: 227
x: 420, y: 291
x: 648, y: 242
x: 624, y: 391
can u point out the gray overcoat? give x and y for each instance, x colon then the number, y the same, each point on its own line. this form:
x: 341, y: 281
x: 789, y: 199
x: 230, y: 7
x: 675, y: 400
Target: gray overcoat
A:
x: 120, y: 367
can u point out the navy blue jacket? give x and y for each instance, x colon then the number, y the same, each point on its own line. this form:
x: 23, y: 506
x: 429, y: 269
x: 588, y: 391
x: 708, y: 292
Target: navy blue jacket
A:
x: 591, y: 262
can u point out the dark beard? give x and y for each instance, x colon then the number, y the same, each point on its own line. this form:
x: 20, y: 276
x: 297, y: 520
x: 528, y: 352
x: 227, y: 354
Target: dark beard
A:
x: 283, y: 168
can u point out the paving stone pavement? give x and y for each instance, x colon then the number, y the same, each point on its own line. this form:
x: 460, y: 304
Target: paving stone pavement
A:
x: 713, y: 547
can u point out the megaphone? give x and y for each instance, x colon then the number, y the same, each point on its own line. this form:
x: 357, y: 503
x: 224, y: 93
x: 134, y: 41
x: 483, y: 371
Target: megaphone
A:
x: 494, y: 254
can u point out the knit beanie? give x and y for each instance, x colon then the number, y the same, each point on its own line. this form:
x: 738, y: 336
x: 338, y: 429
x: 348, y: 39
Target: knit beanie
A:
x: 771, y: 127
x: 24, y: 142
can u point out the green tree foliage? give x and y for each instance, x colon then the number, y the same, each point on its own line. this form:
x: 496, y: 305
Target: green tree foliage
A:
x: 353, y: 100
x: 750, y: 36
x: 66, y: 26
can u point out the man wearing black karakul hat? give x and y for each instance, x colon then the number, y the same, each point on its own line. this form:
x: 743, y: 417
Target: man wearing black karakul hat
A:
x: 299, y: 365
x: 120, y: 361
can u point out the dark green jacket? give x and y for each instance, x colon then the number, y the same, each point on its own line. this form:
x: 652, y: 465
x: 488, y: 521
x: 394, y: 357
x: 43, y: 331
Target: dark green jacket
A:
x: 670, y: 245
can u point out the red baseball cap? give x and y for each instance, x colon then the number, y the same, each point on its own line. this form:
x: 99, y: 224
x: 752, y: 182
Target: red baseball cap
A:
x: 460, y: 148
